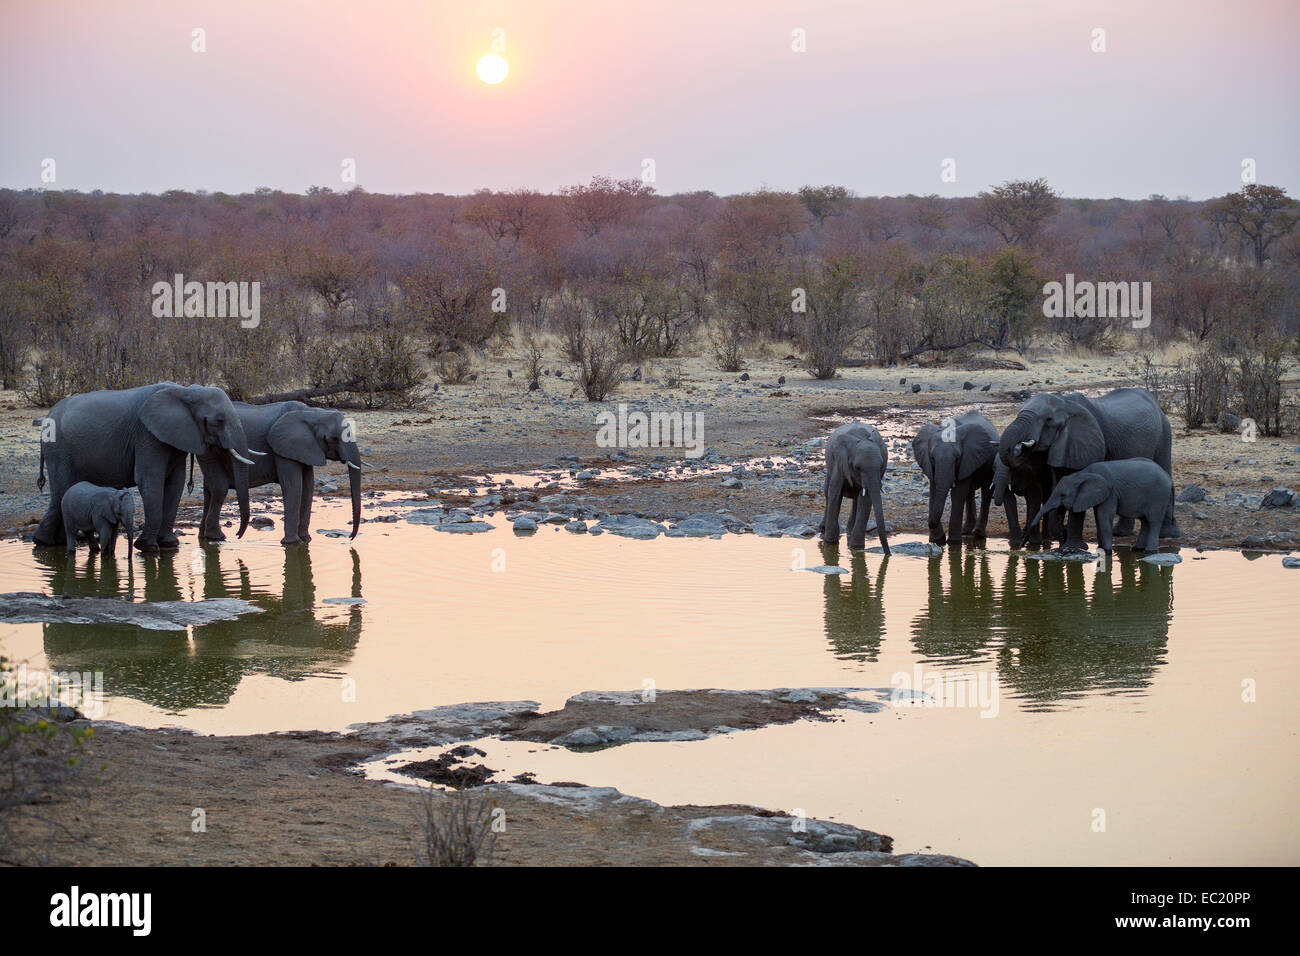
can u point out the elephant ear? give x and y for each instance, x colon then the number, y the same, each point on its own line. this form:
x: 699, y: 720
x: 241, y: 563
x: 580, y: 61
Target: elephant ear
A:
x: 169, y: 419
x: 1079, y: 443
x: 976, y: 451
x: 921, y: 449
x: 1092, y: 491
x: 292, y: 436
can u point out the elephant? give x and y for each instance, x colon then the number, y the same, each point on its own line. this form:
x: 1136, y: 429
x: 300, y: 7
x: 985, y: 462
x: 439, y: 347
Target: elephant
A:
x: 291, y: 439
x: 1131, y: 488
x: 1074, y: 431
x: 855, y: 467
x: 139, y: 437
x: 1030, y: 478
x: 958, y: 459
x: 98, y: 511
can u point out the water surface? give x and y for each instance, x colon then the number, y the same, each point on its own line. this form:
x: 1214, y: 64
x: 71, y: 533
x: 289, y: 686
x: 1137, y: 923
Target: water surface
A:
x: 1117, y: 690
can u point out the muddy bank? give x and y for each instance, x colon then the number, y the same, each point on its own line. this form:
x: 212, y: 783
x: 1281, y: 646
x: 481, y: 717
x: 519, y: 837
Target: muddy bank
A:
x: 297, y: 799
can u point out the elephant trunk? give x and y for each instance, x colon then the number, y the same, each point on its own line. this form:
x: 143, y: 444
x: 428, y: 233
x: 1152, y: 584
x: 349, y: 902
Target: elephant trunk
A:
x: 235, y: 443
x: 1021, y: 429
x: 352, y: 455
x: 938, y: 495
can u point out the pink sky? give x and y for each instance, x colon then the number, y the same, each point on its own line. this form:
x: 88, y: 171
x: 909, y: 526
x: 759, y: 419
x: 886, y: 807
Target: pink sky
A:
x: 709, y: 89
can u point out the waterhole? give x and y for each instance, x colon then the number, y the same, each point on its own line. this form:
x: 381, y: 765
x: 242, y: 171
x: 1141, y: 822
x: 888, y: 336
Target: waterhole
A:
x: 1078, y: 714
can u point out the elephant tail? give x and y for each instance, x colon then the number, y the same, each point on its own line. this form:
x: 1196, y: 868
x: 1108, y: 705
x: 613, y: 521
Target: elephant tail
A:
x: 189, y: 487
x: 40, y: 481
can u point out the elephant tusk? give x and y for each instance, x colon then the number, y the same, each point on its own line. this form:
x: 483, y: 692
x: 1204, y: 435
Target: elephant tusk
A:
x: 254, y: 451
x: 351, y: 465
x: 1028, y: 443
x: 241, y: 458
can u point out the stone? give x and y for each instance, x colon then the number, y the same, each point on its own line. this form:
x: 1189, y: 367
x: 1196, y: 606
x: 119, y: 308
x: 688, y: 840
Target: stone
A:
x: 1162, y: 558
x: 524, y: 525
x: 1277, y: 498
x: 1291, y: 562
x: 1193, y: 494
x: 1254, y: 543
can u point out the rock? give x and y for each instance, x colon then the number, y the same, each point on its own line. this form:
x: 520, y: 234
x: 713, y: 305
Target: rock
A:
x: 986, y: 387
x: 1254, y: 543
x: 1277, y: 498
x: 1162, y: 558
x: 25, y: 607
x: 1291, y: 562
x: 701, y: 526
x: 524, y: 525
x: 731, y: 481
x: 916, y: 388
x: 344, y: 600
x: 829, y: 569
x: 1228, y: 422
x: 261, y: 521
x: 464, y: 527
x: 1192, y: 493
x: 585, y: 476
x: 744, y: 376
x: 576, y: 527
x: 914, y: 549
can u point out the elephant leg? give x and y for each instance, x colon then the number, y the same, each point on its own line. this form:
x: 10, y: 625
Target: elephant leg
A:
x: 291, y: 491
x: 72, y: 537
x: 969, y: 515
x: 173, y: 487
x: 1103, y: 514
x: 304, y: 510
x: 958, y: 500
x: 1169, y: 522
x: 1074, y: 533
x: 51, y: 529
x: 831, y: 520
x: 1124, y: 526
x: 986, y: 501
x: 935, y: 522
x: 150, y: 483
x: 858, y: 522
x: 1013, y: 521
x: 214, y: 498
x: 107, y: 536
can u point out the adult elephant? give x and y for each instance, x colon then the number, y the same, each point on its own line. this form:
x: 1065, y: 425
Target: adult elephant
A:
x: 958, y: 458
x: 855, y: 467
x: 140, y: 437
x: 292, y: 439
x: 1071, y: 431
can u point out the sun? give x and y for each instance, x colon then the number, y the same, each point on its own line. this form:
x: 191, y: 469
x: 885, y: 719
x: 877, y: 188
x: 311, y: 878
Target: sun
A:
x: 492, y: 69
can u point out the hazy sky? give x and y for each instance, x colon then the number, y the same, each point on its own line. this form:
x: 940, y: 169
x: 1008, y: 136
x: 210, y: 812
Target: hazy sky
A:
x: 711, y: 90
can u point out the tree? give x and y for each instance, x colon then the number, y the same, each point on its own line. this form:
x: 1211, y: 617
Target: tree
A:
x: 1017, y: 210
x: 823, y: 202
x: 604, y: 202
x: 1258, y: 216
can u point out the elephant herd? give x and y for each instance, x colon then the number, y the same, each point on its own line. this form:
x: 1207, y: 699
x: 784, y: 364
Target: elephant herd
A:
x: 1064, y: 454
x: 96, y: 444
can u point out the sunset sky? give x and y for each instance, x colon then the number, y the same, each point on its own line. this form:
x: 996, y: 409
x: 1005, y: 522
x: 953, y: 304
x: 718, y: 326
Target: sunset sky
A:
x: 711, y: 90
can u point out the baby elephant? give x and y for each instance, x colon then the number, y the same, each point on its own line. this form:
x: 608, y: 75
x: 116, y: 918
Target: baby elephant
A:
x: 1129, y: 488
x: 855, y: 466
x: 98, y: 511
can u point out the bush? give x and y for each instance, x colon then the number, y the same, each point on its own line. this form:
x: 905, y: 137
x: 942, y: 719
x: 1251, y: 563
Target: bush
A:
x: 1204, y: 380
x: 457, y: 829
x: 455, y: 367
x: 728, y: 338
x: 594, y: 350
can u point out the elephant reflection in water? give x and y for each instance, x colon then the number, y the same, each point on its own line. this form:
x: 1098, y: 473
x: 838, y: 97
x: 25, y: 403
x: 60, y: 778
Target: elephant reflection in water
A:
x: 1063, y: 639
x: 956, y: 624
x: 855, y: 610
x: 178, y: 670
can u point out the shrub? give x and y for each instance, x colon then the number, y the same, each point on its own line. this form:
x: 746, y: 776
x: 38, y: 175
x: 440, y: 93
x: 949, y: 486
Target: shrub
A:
x: 457, y: 829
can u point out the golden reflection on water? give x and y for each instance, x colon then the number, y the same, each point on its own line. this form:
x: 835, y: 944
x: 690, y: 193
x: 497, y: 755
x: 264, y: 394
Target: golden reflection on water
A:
x: 1120, y: 689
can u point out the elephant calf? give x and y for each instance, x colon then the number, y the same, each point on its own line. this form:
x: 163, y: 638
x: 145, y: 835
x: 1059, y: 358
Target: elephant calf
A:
x: 957, y: 457
x: 98, y: 511
x: 1129, y: 488
x: 855, y: 467
x: 1022, y: 479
